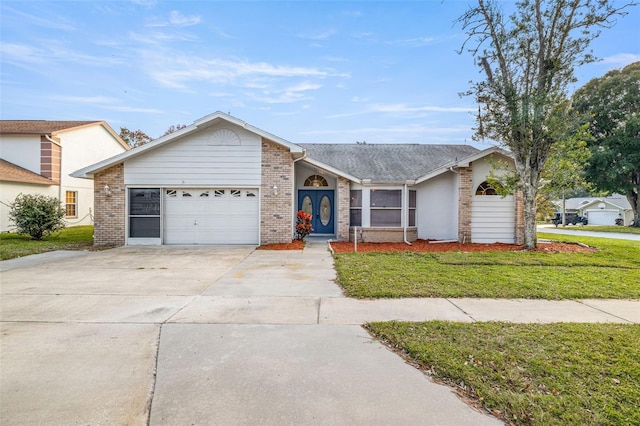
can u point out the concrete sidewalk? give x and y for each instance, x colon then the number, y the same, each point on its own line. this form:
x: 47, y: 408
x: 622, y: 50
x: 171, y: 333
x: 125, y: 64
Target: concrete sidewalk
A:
x: 224, y: 335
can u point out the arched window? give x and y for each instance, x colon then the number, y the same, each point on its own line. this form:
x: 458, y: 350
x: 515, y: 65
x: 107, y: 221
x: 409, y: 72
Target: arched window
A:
x: 485, y: 189
x: 316, y: 181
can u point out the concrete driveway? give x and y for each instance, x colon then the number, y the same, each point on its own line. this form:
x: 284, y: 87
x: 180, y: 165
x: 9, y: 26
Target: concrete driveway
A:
x: 205, y: 335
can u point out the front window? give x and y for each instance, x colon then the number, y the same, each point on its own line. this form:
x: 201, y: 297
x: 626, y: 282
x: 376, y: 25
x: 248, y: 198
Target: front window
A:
x: 144, y: 212
x: 355, y: 207
x: 485, y: 189
x: 386, y: 207
x: 412, y: 208
x: 71, y: 204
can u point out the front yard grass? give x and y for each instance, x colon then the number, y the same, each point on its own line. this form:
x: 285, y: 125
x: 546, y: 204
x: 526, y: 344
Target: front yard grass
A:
x: 18, y: 245
x: 602, y: 228
x: 612, y: 272
x: 530, y: 374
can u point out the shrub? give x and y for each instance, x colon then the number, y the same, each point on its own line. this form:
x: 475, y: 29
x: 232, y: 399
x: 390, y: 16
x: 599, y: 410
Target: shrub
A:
x: 37, y: 215
x: 303, y: 225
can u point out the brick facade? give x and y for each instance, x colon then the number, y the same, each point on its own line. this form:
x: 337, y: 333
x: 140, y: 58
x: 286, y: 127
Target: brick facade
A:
x: 276, y: 214
x: 465, y: 191
x: 110, y: 214
x: 519, y: 226
x: 383, y: 235
x: 344, y: 201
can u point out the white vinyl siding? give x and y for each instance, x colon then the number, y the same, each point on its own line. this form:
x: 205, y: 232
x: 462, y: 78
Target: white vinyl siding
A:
x: 197, y: 161
x: 492, y: 219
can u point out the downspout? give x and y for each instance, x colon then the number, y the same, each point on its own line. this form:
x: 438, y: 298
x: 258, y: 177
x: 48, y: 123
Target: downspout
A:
x: 59, y: 183
x: 293, y: 193
x: 405, y: 203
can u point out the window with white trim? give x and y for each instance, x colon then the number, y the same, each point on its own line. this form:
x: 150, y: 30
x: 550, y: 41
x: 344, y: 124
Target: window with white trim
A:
x: 386, y: 207
x: 71, y: 204
x: 144, y: 212
x: 355, y: 207
x: 412, y: 207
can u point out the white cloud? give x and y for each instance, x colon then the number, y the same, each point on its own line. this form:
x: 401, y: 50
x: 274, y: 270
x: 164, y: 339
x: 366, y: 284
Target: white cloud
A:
x: 53, y: 22
x: 100, y: 100
x: 414, y: 42
x: 145, y: 3
x: 134, y: 109
x: 176, y: 19
x: 304, y: 86
x: 177, y: 72
x: 319, y: 36
x: 48, y: 52
x: 621, y: 60
x: 402, y: 108
x: 399, y: 109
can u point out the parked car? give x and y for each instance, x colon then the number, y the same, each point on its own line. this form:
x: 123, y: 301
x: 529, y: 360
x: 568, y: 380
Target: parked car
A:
x: 569, y: 219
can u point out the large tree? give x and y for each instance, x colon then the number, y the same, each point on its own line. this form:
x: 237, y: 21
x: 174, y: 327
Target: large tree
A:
x: 527, y: 59
x: 611, y: 105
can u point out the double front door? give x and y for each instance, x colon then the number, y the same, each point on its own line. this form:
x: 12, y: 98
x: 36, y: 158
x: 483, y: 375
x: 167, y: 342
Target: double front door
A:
x: 319, y: 204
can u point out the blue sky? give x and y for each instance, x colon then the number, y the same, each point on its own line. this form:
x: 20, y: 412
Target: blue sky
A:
x: 331, y: 72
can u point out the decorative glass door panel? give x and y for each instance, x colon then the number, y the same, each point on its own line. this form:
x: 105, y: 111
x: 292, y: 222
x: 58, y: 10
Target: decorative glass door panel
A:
x: 319, y: 204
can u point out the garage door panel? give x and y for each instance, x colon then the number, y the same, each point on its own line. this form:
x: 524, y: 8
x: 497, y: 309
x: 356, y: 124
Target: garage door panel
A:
x: 211, y: 216
x: 602, y: 217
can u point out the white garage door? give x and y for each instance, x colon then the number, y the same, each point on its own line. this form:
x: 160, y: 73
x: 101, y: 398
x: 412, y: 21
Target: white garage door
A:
x: 211, y: 216
x: 602, y: 217
x: 492, y: 219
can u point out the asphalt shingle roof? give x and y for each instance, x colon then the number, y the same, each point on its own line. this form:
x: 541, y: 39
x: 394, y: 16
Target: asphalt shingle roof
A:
x: 387, y: 162
x: 12, y: 173
x: 38, y: 126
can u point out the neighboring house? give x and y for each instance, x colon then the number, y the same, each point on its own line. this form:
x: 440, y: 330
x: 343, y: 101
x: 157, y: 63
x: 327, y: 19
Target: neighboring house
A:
x: 599, y: 210
x: 223, y: 181
x: 37, y: 156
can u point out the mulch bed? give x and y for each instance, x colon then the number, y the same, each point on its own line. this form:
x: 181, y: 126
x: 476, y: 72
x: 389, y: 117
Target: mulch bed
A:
x: 293, y: 245
x: 434, y: 246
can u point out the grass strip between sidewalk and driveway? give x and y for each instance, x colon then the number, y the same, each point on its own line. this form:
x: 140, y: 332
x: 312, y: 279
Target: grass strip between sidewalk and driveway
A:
x: 603, y: 228
x: 611, y: 272
x: 18, y: 245
x: 530, y: 374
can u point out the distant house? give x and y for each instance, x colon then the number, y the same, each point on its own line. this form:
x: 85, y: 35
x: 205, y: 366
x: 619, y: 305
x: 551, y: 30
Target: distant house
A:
x: 599, y: 210
x: 37, y: 156
x: 224, y: 181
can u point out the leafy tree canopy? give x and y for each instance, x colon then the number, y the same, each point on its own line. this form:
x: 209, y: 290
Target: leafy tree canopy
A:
x: 173, y: 128
x: 527, y: 60
x: 611, y: 106
x: 134, y: 138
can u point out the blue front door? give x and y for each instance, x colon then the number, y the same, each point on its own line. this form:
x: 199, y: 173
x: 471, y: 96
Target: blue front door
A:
x: 319, y: 204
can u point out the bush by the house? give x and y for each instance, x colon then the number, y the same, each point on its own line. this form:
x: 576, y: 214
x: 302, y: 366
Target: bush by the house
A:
x: 303, y: 225
x: 37, y: 215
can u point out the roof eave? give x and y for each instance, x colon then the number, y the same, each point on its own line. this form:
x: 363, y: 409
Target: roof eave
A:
x: 89, y: 171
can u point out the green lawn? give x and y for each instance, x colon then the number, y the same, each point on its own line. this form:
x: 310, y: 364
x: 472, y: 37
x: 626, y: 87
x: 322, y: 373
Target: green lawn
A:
x: 618, y: 229
x: 531, y: 374
x: 74, y: 238
x: 611, y: 272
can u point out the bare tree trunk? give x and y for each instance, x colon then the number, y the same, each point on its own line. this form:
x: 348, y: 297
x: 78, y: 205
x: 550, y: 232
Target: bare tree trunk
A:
x: 634, y: 201
x: 529, y: 182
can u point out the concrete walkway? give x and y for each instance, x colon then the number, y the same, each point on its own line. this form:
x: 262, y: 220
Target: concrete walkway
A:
x: 584, y: 232
x: 224, y: 335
